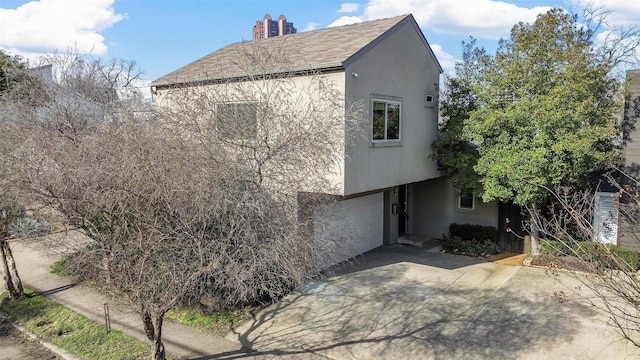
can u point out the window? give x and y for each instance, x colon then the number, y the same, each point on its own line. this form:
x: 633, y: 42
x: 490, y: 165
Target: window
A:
x: 466, y: 201
x: 605, y: 218
x: 386, y: 120
x: 237, y: 121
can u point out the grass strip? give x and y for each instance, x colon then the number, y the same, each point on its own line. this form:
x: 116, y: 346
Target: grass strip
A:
x: 217, y: 323
x: 71, y: 331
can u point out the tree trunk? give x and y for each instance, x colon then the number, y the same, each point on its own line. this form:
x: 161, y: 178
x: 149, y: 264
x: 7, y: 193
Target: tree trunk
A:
x: 12, y: 281
x: 535, y: 231
x: 154, y: 334
x: 106, y: 265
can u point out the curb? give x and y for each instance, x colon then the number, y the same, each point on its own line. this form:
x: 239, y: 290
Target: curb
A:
x: 66, y: 355
x: 56, y: 349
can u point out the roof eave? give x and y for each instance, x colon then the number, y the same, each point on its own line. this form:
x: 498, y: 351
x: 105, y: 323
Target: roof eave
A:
x: 294, y: 72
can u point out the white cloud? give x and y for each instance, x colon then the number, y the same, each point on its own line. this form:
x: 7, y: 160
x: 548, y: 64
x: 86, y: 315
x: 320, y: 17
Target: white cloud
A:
x: 46, y: 25
x: 488, y: 19
x: 346, y: 20
x: 446, y: 60
x: 311, y: 26
x: 348, y: 7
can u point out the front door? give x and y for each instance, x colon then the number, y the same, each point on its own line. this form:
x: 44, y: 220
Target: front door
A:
x: 403, y: 216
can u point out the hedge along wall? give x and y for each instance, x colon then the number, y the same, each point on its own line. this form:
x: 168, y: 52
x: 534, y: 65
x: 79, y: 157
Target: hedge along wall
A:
x: 471, y: 232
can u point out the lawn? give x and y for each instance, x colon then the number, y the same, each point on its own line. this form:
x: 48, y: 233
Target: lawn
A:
x: 71, y: 331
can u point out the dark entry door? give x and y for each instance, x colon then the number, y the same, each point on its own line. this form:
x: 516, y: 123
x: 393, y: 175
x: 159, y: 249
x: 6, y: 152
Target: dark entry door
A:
x: 510, y: 231
x: 403, y: 216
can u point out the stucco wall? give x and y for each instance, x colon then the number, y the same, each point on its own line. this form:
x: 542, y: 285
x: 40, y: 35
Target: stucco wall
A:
x: 294, y: 95
x: 399, y: 66
x: 434, y: 208
x: 632, y: 147
x: 627, y: 230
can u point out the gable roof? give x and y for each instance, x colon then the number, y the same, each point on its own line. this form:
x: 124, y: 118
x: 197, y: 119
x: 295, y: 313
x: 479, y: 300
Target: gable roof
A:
x: 326, y: 49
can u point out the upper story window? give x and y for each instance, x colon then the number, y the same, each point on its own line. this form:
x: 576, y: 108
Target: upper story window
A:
x: 466, y: 201
x: 237, y: 121
x: 386, y: 120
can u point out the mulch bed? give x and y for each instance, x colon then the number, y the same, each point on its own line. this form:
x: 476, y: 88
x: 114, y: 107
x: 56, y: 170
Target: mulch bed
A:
x: 507, y: 258
x: 544, y: 260
x: 562, y: 262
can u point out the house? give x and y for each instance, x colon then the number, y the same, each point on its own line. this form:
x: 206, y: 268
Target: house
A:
x: 616, y: 221
x: 388, y: 184
x: 615, y: 217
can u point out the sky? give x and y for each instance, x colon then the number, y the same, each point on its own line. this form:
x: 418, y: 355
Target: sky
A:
x: 164, y: 35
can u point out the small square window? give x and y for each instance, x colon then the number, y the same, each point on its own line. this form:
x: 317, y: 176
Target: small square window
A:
x: 466, y: 201
x: 237, y: 121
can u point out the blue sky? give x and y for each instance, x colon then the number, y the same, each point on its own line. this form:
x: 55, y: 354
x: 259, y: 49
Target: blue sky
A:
x: 163, y: 35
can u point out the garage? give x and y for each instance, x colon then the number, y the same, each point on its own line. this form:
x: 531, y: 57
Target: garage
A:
x: 348, y: 228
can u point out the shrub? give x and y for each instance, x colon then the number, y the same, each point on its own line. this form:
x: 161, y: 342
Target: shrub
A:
x: 470, y: 232
x: 607, y: 255
x: 64, y: 267
x: 28, y: 227
x: 457, y: 245
x: 555, y: 247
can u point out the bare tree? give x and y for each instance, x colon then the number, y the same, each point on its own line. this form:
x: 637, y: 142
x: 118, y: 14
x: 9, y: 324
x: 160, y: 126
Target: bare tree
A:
x: 609, y: 275
x: 207, y: 196
x: 617, y: 44
x: 17, y: 81
x: 10, y: 208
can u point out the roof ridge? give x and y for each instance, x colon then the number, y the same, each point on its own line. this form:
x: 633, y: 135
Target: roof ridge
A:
x: 320, y: 49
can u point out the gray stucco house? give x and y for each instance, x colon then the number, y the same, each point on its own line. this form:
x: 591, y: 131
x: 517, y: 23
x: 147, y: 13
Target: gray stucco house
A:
x: 388, y: 184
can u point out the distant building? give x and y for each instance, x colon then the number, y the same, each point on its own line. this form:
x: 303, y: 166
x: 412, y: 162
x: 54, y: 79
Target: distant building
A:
x: 270, y: 28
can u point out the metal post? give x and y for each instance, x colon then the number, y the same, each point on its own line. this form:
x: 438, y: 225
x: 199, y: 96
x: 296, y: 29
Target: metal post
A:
x: 107, y: 319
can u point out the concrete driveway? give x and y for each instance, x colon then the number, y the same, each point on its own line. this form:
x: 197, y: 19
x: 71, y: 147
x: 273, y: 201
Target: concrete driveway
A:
x: 407, y: 303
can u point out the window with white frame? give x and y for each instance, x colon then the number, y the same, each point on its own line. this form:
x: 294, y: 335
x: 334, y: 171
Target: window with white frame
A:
x: 386, y: 120
x: 466, y: 201
x: 605, y: 218
x: 237, y: 120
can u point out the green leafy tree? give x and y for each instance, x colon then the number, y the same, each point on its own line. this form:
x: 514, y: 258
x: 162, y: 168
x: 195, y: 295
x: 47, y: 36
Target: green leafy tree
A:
x: 537, y: 114
x: 16, y: 79
x: 454, y: 152
x: 547, y: 111
x: 11, y: 68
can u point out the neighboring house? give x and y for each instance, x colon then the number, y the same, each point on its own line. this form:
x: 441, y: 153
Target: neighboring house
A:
x: 388, y: 184
x: 623, y: 232
x: 614, y: 216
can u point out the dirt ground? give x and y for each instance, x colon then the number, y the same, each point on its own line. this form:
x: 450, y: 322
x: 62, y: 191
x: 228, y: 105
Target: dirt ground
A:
x: 15, y: 345
x: 562, y: 262
x: 543, y: 260
x: 507, y: 258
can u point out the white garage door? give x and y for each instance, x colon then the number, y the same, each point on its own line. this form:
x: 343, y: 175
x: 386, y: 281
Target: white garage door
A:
x: 348, y: 228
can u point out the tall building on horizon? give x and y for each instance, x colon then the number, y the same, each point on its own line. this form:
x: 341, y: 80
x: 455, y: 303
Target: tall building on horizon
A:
x: 269, y: 28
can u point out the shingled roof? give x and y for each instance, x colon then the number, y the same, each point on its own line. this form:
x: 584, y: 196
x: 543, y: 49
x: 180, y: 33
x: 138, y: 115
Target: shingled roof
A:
x: 325, y: 49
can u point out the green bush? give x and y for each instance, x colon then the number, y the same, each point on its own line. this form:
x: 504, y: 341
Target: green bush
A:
x: 607, y: 255
x: 555, y: 247
x: 470, y: 232
x: 28, y: 227
x: 457, y: 245
x: 64, y: 267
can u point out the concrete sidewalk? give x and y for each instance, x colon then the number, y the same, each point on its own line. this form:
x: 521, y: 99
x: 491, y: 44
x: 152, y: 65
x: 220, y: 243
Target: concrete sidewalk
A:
x: 35, y: 256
